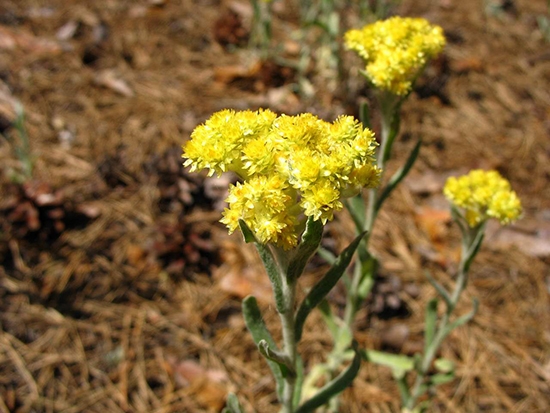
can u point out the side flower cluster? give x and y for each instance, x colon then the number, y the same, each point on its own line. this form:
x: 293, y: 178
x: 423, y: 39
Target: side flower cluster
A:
x: 483, y: 195
x: 395, y: 50
x: 292, y: 167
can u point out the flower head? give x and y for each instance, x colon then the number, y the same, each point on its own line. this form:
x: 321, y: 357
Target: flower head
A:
x: 483, y: 195
x: 292, y: 167
x: 395, y: 50
x: 216, y: 145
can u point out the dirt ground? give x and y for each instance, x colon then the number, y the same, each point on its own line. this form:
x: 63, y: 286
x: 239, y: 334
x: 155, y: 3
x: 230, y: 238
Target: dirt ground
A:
x: 120, y: 291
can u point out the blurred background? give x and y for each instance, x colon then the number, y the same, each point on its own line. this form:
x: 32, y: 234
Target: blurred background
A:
x: 119, y: 289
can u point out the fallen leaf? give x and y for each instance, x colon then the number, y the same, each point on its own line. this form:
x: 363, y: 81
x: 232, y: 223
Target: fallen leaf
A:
x: 394, y: 336
x: 470, y: 64
x: 206, y: 385
x: 67, y: 31
x: 242, y: 9
x: 135, y: 255
x: 434, y: 223
x: 11, y: 40
x: 227, y: 74
x: 109, y: 79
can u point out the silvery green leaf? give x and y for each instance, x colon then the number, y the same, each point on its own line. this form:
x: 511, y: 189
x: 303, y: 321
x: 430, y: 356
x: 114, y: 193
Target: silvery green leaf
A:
x: 322, y: 288
x: 270, y: 264
x: 431, y: 320
x: 255, y: 324
x: 232, y: 405
x: 399, y: 175
x: 334, y: 387
x: 398, y: 363
x: 311, y: 239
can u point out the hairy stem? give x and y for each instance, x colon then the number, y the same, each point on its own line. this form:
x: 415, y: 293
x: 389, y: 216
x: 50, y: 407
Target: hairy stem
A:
x: 289, y: 343
x: 388, y: 109
x: 442, y: 330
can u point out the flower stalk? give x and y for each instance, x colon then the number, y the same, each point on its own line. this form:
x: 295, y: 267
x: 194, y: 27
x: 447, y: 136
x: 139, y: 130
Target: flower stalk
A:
x: 395, y: 52
x: 474, y: 198
x: 397, y: 42
x: 470, y: 247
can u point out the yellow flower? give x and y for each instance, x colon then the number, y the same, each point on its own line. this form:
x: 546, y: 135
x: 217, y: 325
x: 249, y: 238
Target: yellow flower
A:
x: 265, y: 204
x: 321, y: 200
x: 216, y: 145
x: 483, y: 195
x: 395, y: 50
x: 292, y: 167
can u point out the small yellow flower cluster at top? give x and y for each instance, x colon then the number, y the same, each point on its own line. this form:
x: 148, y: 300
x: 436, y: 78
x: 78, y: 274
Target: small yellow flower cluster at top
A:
x: 291, y: 167
x: 395, y: 50
x: 483, y: 194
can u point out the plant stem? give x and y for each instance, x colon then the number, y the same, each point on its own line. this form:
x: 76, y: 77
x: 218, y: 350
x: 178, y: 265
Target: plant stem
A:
x: 289, y: 342
x: 261, y: 27
x: 388, y: 112
x: 442, y: 330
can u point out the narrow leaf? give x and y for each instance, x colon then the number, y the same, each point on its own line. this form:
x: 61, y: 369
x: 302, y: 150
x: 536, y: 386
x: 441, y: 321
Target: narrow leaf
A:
x: 364, y: 115
x: 258, y: 330
x: 248, y: 235
x: 311, y: 239
x: 334, y: 387
x: 431, y: 320
x: 341, y: 345
x: 369, y: 266
x: 394, y: 130
x: 441, y: 378
x: 356, y: 208
x: 299, y: 381
x: 270, y: 264
x: 398, y: 363
x: 334, y: 24
x: 464, y: 319
x: 459, y: 219
x: 277, y: 357
x: 326, y: 255
x: 322, y: 288
x: 399, y: 175
x: 444, y: 365
x: 440, y: 289
x: 329, y: 317
x: 232, y: 405
x: 473, y: 250
x: 365, y: 287
x: 403, y: 390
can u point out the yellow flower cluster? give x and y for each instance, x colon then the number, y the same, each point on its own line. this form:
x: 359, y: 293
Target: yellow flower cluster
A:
x: 292, y: 167
x: 483, y: 195
x: 395, y: 50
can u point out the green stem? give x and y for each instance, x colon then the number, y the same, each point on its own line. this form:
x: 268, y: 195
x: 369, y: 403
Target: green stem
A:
x: 442, y: 328
x: 362, y: 279
x: 261, y: 27
x: 388, y: 108
x: 363, y: 271
x: 289, y: 342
